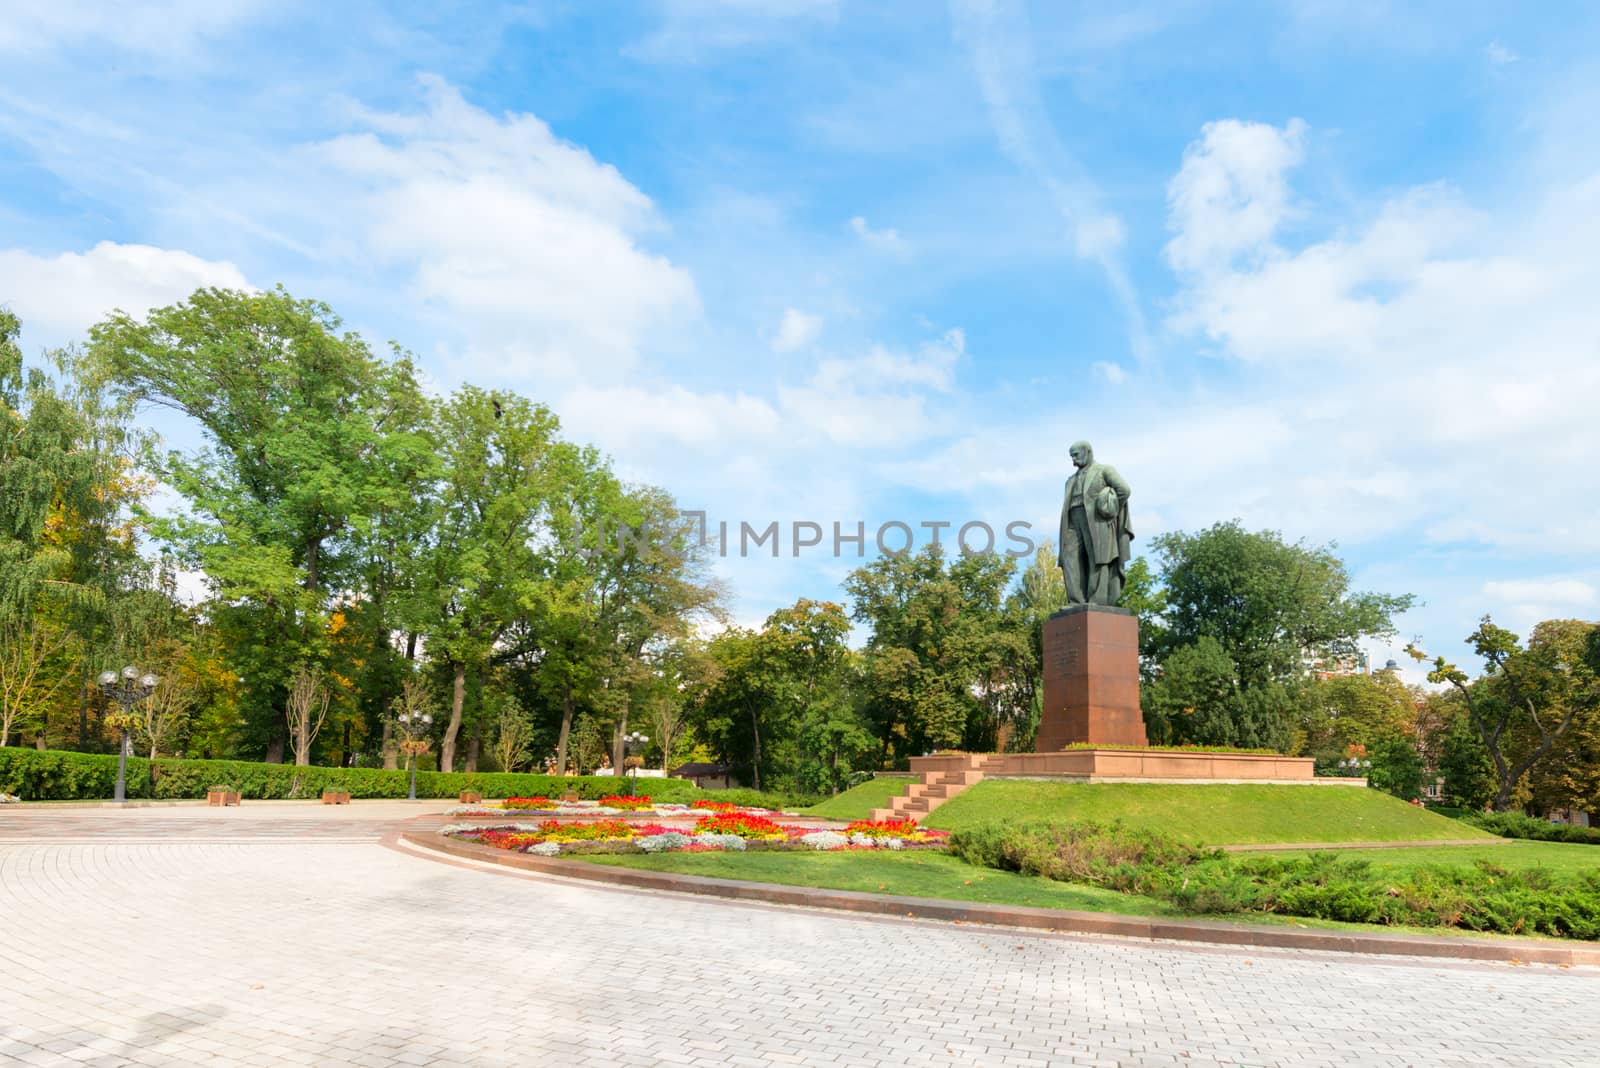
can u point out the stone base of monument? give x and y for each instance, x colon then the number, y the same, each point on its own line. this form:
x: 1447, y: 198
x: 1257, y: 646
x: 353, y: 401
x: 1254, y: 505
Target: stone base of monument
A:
x: 944, y: 775
x: 1091, y: 679
x: 1091, y: 728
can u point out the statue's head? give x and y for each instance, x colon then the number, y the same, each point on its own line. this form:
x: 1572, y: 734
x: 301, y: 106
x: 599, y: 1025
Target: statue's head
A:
x: 1082, y: 454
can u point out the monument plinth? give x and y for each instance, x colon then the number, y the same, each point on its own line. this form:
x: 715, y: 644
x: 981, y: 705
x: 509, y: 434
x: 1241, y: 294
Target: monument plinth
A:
x: 1091, y: 679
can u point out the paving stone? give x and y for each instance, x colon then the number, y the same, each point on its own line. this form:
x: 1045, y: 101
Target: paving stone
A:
x: 262, y: 935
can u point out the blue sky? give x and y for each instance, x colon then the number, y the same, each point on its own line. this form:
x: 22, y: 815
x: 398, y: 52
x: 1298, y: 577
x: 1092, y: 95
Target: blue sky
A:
x: 1327, y: 267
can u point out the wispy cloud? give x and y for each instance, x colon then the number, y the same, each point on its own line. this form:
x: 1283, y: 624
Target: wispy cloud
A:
x: 997, y: 34
x: 796, y: 330
x: 886, y: 239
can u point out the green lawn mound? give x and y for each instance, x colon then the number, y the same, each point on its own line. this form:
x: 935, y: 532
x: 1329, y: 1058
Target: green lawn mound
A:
x: 858, y: 802
x: 1212, y: 814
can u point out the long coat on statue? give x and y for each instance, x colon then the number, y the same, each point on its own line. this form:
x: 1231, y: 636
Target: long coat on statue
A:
x: 1105, y: 500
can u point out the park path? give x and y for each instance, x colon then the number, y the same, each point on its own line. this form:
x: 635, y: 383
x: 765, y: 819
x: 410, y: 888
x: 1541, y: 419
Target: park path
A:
x: 274, y: 935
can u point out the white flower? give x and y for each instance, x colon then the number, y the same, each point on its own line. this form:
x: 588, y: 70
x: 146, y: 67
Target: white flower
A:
x: 662, y: 843
x: 894, y: 843
x: 727, y: 842
x: 859, y: 839
x: 824, y: 840
x: 545, y: 849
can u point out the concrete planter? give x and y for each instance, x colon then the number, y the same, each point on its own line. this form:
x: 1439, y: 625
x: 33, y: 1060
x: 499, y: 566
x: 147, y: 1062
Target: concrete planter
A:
x: 335, y: 797
x: 469, y: 797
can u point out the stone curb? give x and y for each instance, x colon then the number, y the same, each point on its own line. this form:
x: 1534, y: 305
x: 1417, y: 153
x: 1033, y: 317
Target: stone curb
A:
x: 1521, y: 951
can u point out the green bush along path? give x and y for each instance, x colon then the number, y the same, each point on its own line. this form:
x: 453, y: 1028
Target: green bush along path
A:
x: 1511, y: 855
x: 1213, y: 814
x: 63, y: 776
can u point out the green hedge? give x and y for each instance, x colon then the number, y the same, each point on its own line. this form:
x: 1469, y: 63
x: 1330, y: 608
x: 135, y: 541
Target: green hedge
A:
x: 1519, y: 825
x: 1477, y: 897
x: 54, y: 775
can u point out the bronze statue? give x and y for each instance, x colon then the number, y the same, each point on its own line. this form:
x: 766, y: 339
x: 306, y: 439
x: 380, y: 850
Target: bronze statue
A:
x: 1095, y: 534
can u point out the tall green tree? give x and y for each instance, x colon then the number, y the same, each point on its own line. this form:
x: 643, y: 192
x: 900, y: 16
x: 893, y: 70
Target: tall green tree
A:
x: 1250, y: 608
x: 1529, y: 696
x: 299, y: 422
x: 490, y: 501
x: 936, y: 628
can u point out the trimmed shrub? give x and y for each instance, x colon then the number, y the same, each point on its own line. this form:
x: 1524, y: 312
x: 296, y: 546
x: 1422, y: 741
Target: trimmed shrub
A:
x: 54, y: 775
x: 1519, y: 825
x: 1479, y: 897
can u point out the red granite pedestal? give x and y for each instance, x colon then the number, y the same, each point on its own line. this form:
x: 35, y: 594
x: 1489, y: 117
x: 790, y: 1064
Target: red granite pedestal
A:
x: 1091, y: 679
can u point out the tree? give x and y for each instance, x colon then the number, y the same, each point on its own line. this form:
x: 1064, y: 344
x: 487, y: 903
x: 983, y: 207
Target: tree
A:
x: 1353, y: 709
x: 588, y: 743
x: 1528, y: 697
x: 306, y: 710
x: 301, y: 423
x: 935, y: 630
x: 31, y: 672
x: 41, y: 464
x: 513, y: 736
x: 1396, y: 766
x: 1469, y: 780
x: 490, y: 502
x: 1263, y: 606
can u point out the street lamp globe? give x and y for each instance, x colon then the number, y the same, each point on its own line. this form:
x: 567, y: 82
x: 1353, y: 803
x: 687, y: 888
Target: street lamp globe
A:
x: 107, y: 678
x: 130, y: 672
x: 149, y: 682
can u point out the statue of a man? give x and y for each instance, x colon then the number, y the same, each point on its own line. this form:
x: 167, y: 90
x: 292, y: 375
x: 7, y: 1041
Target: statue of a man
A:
x: 1095, y: 534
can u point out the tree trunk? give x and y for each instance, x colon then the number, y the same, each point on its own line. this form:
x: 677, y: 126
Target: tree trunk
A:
x: 311, y: 565
x: 391, y: 756
x: 566, y: 729
x: 274, y: 754
x: 474, y: 746
x: 458, y: 701
x: 755, y: 765
x: 619, y: 748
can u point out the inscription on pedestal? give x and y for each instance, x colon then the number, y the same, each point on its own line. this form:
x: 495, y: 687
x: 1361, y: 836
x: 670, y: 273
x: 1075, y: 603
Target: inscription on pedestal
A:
x: 1091, y: 680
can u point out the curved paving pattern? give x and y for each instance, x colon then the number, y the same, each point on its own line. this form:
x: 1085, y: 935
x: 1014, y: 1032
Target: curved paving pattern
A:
x: 177, y: 937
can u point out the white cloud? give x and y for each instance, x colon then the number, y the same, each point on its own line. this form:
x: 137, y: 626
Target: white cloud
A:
x: 796, y: 331
x: 523, y: 238
x: 1000, y: 38
x: 1231, y: 192
x: 155, y: 26
x: 691, y: 30
x: 1568, y: 592
x: 1111, y: 372
x: 1499, y: 55
x: 59, y: 297
x: 886, y: 240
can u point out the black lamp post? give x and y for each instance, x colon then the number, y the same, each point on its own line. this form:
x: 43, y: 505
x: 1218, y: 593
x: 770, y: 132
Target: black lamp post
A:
x: 126, y: 689
x: 413, y: 725
x: 632, y: 741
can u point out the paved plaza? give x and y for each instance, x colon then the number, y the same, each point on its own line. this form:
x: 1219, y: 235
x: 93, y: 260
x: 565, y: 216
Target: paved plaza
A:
x: 288, y: 934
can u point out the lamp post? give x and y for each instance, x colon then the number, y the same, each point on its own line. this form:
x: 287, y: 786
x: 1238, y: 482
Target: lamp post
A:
x: 127, y: 689
x: 413, y: 725
x: 631, y: 741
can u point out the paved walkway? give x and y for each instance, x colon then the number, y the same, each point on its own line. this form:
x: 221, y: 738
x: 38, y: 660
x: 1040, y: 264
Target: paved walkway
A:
x: 274, y: 935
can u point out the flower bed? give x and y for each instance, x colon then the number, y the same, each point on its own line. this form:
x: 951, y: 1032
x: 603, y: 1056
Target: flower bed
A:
x: 627, y: 804
x: 735, y: 831
x: 606, y: 806
x: 526, y: 803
